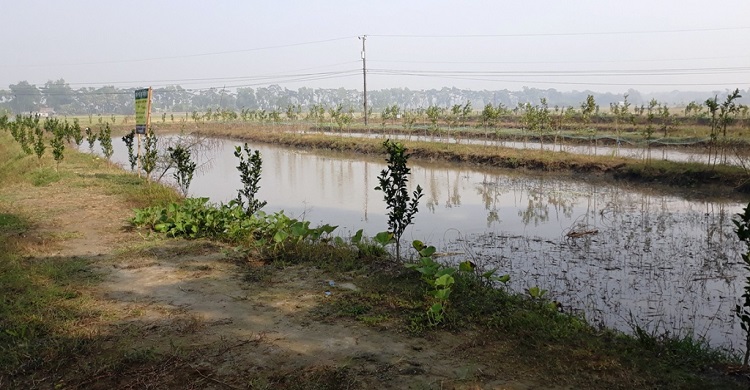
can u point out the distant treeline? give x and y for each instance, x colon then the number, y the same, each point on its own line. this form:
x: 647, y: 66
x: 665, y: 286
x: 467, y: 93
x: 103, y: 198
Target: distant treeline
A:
x: 58, y: 97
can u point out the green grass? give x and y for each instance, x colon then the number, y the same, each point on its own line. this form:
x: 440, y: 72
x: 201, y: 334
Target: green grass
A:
x: 42, y: 304
x: 47, y: 313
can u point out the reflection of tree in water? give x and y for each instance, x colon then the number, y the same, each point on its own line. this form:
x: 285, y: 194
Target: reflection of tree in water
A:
x: 561, y: 199
x: 434, y: 195
x: 537, y: 209
x: 454, y: 196
x: 490, y: 191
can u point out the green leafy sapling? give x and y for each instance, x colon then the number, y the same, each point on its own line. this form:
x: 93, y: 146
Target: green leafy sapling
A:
x: 150, y: 153
x: 38, y: 141
x: 58, y: 146
x: 77, y: 132
x: 91, y: 139
x: 393, y: 182
x: 105, y: 141
x: 250, y: 169
x: 132, y: 155
x: 184, y: 166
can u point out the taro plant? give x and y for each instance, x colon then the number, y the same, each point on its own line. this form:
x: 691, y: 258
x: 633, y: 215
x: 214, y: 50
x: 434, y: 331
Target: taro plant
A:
x: 393, y: 182
x: 105, y: 141
x: 184, y: 166
x: 742, y: 223
x: 250, y: 169
x: 132, y: 156
x: 442, y: 279
x: 438, y: 276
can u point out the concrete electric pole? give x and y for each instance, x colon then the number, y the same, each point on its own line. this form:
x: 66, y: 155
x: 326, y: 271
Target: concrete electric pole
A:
x: 364, y: 74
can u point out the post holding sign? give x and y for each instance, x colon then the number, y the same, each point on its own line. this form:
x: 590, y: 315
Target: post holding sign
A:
x: 142, y: 110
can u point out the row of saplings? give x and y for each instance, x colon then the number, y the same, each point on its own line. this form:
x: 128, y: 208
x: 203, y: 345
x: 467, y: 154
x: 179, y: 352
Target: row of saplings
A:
x: 36, y: 136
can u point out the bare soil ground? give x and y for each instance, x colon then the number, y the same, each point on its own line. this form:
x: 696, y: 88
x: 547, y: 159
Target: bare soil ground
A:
x: 191, y: 314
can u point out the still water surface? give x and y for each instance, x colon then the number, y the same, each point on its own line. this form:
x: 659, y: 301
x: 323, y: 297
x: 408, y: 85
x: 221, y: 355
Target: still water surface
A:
x: 663, y: 262
x: 734, y: 156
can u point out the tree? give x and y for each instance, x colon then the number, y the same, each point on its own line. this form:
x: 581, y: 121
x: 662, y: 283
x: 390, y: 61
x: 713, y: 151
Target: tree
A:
x: 727, y: 113
x: 433, y: 114
x: 648, y: 132
x: 25, y: 97
x: 58, y: 95
x: 465, y: 112
x: 588, y: 108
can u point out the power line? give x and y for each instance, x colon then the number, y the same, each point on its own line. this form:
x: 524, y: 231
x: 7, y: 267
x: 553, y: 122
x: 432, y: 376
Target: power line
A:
x: 215, y: 79
x: 580, y: 33
x: 190, y: 55
x: 567, y: 73
x: 581, y: 82
x: 555, y: 62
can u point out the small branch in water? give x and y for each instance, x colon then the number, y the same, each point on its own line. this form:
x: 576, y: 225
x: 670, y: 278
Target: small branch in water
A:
x: 574, y: 234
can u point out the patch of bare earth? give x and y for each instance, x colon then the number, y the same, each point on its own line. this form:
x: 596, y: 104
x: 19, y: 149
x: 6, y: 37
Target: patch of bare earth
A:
x: 188, y: 301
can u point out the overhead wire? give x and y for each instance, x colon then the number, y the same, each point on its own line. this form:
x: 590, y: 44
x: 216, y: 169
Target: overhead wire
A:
x: 191, y: 55
x: 579, y: 33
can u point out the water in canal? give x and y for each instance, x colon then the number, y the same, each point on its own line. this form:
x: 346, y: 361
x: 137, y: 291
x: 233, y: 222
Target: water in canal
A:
x: 663, y: 262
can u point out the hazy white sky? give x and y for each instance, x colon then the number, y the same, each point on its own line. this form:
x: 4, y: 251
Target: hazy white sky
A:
x: 656, y: 45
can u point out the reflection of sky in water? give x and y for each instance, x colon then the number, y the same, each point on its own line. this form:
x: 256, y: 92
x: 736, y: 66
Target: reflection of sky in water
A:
x: 624, y: 149
x: 672, y: 263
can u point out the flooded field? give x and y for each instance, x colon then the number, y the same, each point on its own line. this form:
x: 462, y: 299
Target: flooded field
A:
x: 618, y: 255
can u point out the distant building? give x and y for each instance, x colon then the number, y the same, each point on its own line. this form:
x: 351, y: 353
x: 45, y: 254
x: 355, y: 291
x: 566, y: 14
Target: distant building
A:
x: 46, y: 112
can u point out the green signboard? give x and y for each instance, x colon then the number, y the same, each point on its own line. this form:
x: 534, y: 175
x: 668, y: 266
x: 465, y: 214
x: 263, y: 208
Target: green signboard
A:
x: 142, y: 109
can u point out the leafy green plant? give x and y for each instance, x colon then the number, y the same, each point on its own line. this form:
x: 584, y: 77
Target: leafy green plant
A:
x: 90, y: 137
x: 58, y: 147
x: 105, y: 141
x: 196, y: 217
x: 184, y: 166
x: 588, y: 109
x: 742, y: 224
x: 150, y: 153
x: 132, y: 156
x: 250, y: 169
x: 77, y: 133
x: 393, y: 182
x: 38, y: 141
x: 438, y: 277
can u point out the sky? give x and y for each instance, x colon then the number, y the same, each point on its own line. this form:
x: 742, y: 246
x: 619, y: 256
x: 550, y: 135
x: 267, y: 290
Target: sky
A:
x: 601, y: 46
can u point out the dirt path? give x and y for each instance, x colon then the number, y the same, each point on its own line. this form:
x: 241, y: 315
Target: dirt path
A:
x: 190, y: 300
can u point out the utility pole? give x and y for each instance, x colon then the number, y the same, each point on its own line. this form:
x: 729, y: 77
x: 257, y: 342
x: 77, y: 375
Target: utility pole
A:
x: 364, y: 74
